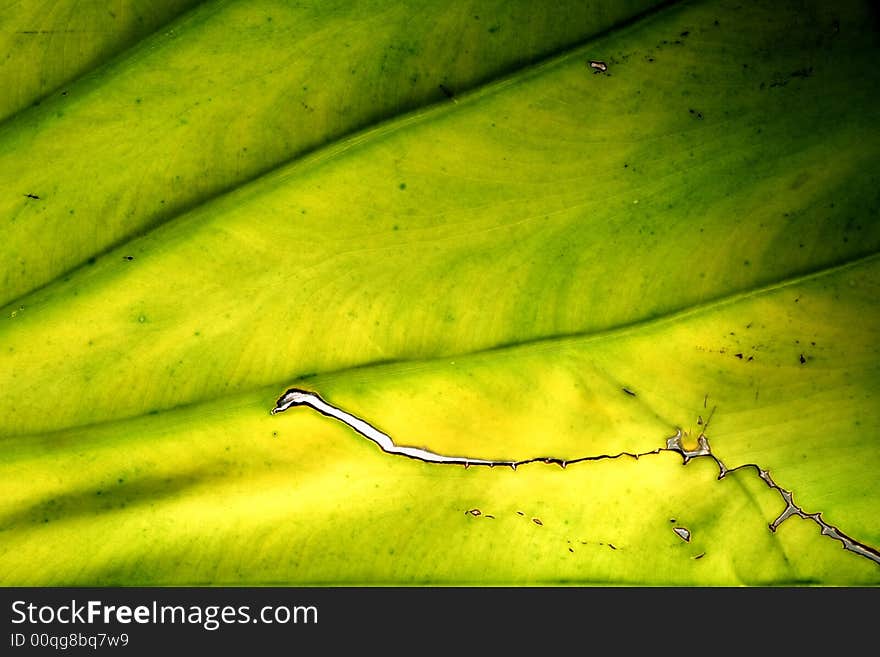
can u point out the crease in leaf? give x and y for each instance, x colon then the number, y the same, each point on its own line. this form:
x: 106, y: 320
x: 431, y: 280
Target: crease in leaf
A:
x: 294, y: 397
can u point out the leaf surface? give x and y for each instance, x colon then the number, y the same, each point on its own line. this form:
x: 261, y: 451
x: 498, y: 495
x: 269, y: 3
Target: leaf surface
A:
x: 558, y: 263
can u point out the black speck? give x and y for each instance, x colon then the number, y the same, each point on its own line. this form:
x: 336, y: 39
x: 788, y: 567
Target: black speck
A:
x: 629, y: 392
x: 739, y: 356
x: 129, y: 258
x: 91, y: 260
x: 537, y: 521
x: 571, y: 549
x: 520, y: 513
x: 446, y: 90
x: 611, y: 545
x: 685, y: 33
x: 32, y: 196
x: 803, y: 359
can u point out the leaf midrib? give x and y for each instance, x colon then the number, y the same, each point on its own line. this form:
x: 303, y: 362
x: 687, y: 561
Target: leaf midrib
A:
x: 539, y: 343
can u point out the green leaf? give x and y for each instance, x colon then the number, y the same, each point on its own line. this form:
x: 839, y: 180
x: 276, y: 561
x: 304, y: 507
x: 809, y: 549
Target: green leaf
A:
x: 557, y: 264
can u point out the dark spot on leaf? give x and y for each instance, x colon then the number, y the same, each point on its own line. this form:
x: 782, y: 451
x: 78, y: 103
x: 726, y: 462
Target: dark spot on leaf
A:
x: 128, y: 257
x: 32, y: 196
x: 629, y: 392
x: 537, y: 521
x: 803, y: 359
x: 446, y: 90
x: 739, y: 356
x: 474, y: 512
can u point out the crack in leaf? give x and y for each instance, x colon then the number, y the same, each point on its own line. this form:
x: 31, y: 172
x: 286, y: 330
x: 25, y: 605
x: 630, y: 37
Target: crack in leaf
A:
x: 298, y: 397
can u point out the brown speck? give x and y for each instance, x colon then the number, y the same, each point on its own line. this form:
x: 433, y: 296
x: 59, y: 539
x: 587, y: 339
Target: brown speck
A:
x: 490, y: 517
x: 537, y: 521
x: 520, y: 513
x: 598, y: 67
x: 629, y: 392
x: 700, y: 555
x: 474, y: 512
